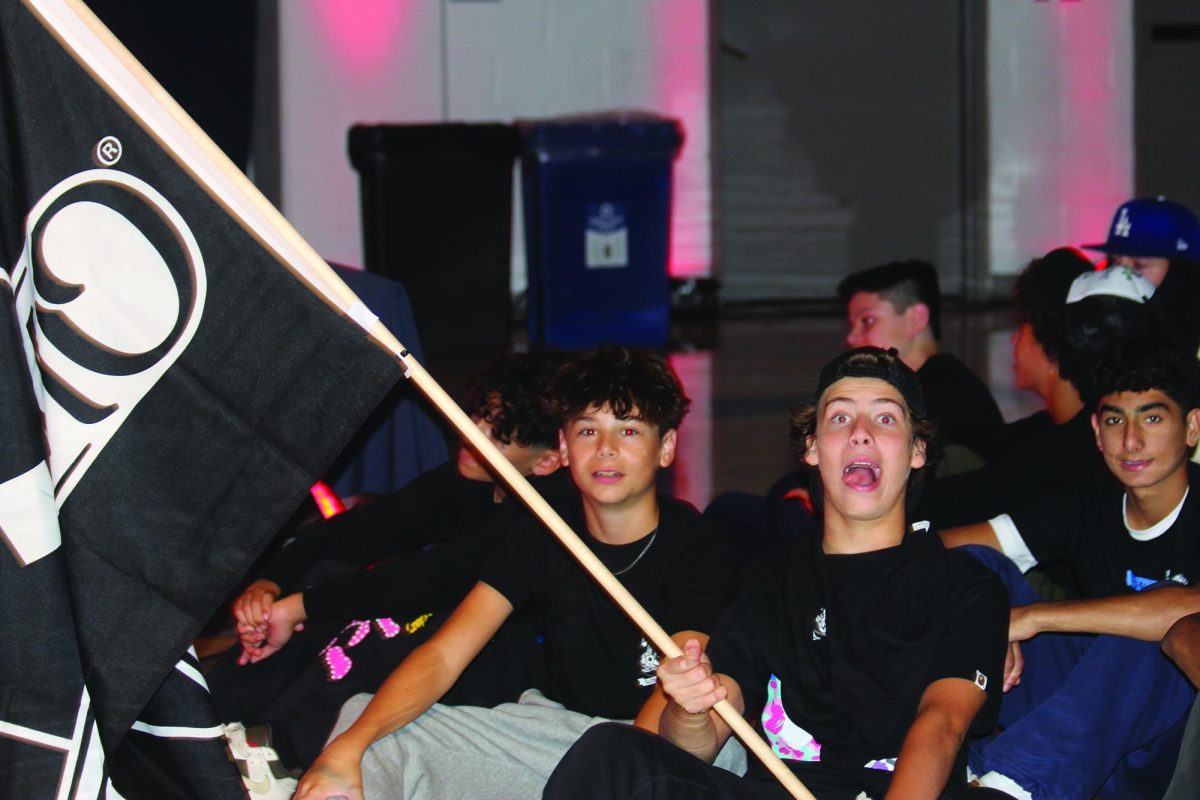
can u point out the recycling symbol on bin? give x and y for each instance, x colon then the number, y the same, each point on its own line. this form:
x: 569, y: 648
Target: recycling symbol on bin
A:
x: 607, y: 236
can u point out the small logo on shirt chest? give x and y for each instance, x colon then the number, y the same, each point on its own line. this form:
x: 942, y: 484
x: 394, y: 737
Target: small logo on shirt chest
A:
x: 648, y: 663
x: 818, y: 630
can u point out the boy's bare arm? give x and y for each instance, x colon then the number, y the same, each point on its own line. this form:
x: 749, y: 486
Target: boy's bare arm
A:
x: 414, y: 686
x: 1182, y: 644
x: 691, y: 689
x: 932, y: 742
x: 975, y: 533
x: 1146, y: 615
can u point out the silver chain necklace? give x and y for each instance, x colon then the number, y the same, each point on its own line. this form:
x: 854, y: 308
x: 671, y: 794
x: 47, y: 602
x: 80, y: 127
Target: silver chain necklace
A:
x: 632, y: 564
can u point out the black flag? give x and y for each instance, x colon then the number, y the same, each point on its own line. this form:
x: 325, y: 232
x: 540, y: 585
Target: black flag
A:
x: 170, y: 389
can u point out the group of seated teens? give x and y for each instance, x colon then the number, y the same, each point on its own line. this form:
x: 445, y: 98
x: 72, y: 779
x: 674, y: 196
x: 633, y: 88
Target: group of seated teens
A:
x: 936, y: 604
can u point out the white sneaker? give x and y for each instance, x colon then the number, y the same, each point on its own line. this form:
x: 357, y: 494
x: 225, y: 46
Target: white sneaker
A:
x: 264, y: 777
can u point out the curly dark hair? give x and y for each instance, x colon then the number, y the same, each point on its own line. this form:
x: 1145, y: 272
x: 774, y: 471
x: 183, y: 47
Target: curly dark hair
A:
x: 803, y: 418
x: 630, y: 381
x: 1039, y: 296
x: 1145, y: 363
x: 1095, y: 327
x: 507, y: 391
x: 901, y: 283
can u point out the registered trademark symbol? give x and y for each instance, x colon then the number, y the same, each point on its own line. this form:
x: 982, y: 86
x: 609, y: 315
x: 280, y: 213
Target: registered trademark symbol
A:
x: 108, y: 151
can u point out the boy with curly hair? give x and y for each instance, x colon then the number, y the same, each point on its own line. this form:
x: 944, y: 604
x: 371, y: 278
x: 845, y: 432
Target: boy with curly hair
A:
x: 863, y: 655
x: 619, y: 410
x: 396, y: 561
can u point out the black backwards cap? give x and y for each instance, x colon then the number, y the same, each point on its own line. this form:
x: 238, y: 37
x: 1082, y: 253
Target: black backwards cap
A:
x: 892, y: 370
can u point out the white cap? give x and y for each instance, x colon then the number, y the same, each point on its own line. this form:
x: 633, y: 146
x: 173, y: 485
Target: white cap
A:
x: 1114, y: 282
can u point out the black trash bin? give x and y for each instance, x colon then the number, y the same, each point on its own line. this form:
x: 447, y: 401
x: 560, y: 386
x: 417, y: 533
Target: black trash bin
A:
x: 437, y: 216
x: 597, y: 200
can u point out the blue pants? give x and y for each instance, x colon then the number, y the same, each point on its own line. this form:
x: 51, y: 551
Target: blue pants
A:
x: 1093, y: 716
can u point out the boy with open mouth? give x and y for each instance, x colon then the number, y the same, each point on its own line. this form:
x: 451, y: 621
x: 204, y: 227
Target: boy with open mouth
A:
x: 863, y: 656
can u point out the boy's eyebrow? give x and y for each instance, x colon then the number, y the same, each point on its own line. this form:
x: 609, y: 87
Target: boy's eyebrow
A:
x: 1110, y: 408
x: 875, y: 402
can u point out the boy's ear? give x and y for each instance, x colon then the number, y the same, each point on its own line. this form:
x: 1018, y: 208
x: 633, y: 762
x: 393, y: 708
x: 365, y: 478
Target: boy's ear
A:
x: 549, y: 461
x: 562, y: 448
x: 1192, y: 426
x: 918, y: 317
x: 1096, y: 432
x: 666, y: 448
x: 810, y: 453
x: 919, y: 449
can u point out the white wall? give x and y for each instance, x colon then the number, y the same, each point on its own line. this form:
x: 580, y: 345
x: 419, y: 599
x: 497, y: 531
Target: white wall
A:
x: 1060, y: 112
x: 342, y: 63
x: 438, y: 60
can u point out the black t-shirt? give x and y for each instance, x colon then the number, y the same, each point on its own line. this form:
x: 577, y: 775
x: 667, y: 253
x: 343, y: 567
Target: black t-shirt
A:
x: 437, y: 575
x: 597, y: 662
x: 1029, y: 467
x: 958, y: 402
x: 435, y: 506
x: 838, y: 649
x: 1085, y: 526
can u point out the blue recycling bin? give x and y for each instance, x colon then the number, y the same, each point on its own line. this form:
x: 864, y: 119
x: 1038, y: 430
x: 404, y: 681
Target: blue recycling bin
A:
x: 597, y: 200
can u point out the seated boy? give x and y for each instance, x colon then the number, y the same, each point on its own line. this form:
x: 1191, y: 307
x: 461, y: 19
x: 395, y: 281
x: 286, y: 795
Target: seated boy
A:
x: 424, y: 543
x: 1102, y: 714
x: 900, y: 305
x: 864, y: 656
x: 620, y: 409
x: 1158, y: 240
x: 1095, y: 311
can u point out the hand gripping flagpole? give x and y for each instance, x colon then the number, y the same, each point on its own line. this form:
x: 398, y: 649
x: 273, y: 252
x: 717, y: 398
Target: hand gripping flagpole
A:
x: 95, y: 48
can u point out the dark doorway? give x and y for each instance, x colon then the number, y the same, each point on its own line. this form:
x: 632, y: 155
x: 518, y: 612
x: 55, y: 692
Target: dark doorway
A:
x: 847, y: 135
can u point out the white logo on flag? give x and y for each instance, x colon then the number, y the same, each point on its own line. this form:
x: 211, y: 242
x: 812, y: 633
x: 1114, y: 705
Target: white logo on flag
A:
x: 108, y: 151
x: 112, y: 299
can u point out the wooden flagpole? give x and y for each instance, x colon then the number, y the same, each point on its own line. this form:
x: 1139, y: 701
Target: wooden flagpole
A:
x: 94, y: 47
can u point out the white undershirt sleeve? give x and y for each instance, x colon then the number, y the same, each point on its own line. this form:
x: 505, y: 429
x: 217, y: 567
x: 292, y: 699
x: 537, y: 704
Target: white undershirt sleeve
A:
x: 1011, y: 543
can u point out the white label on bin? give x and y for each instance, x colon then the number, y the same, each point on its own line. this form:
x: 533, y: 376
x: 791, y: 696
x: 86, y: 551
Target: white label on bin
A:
x: 607, y: 236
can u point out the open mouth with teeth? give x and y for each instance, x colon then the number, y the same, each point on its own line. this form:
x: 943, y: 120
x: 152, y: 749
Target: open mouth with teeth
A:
x: 862, y: 475
x: 607, y: 475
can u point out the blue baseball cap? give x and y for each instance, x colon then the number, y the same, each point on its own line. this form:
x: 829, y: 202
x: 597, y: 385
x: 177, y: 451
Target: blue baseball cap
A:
x: 1152, y: 227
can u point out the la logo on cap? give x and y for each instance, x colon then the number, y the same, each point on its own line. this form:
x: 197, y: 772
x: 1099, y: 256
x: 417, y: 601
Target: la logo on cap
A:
x: 1122, y: 226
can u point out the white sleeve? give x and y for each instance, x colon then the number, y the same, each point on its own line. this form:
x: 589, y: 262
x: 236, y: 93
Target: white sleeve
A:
x: 1011, y: 543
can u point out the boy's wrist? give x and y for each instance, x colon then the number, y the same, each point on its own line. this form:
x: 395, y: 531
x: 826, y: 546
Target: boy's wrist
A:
x: 292, y: 607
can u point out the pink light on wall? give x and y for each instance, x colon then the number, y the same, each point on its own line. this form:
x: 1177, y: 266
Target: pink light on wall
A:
x: 680, y: 53
x: 362, y: 33
x: 1060, y: 120
x: 1092, y: 168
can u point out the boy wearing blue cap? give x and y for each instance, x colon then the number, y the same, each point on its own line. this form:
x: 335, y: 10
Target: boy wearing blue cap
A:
x: 1147, y: 234
x: 1159, y: 239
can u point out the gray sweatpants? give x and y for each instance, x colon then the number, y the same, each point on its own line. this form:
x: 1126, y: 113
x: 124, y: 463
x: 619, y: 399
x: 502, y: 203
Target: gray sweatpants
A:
x: 501, y: 753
